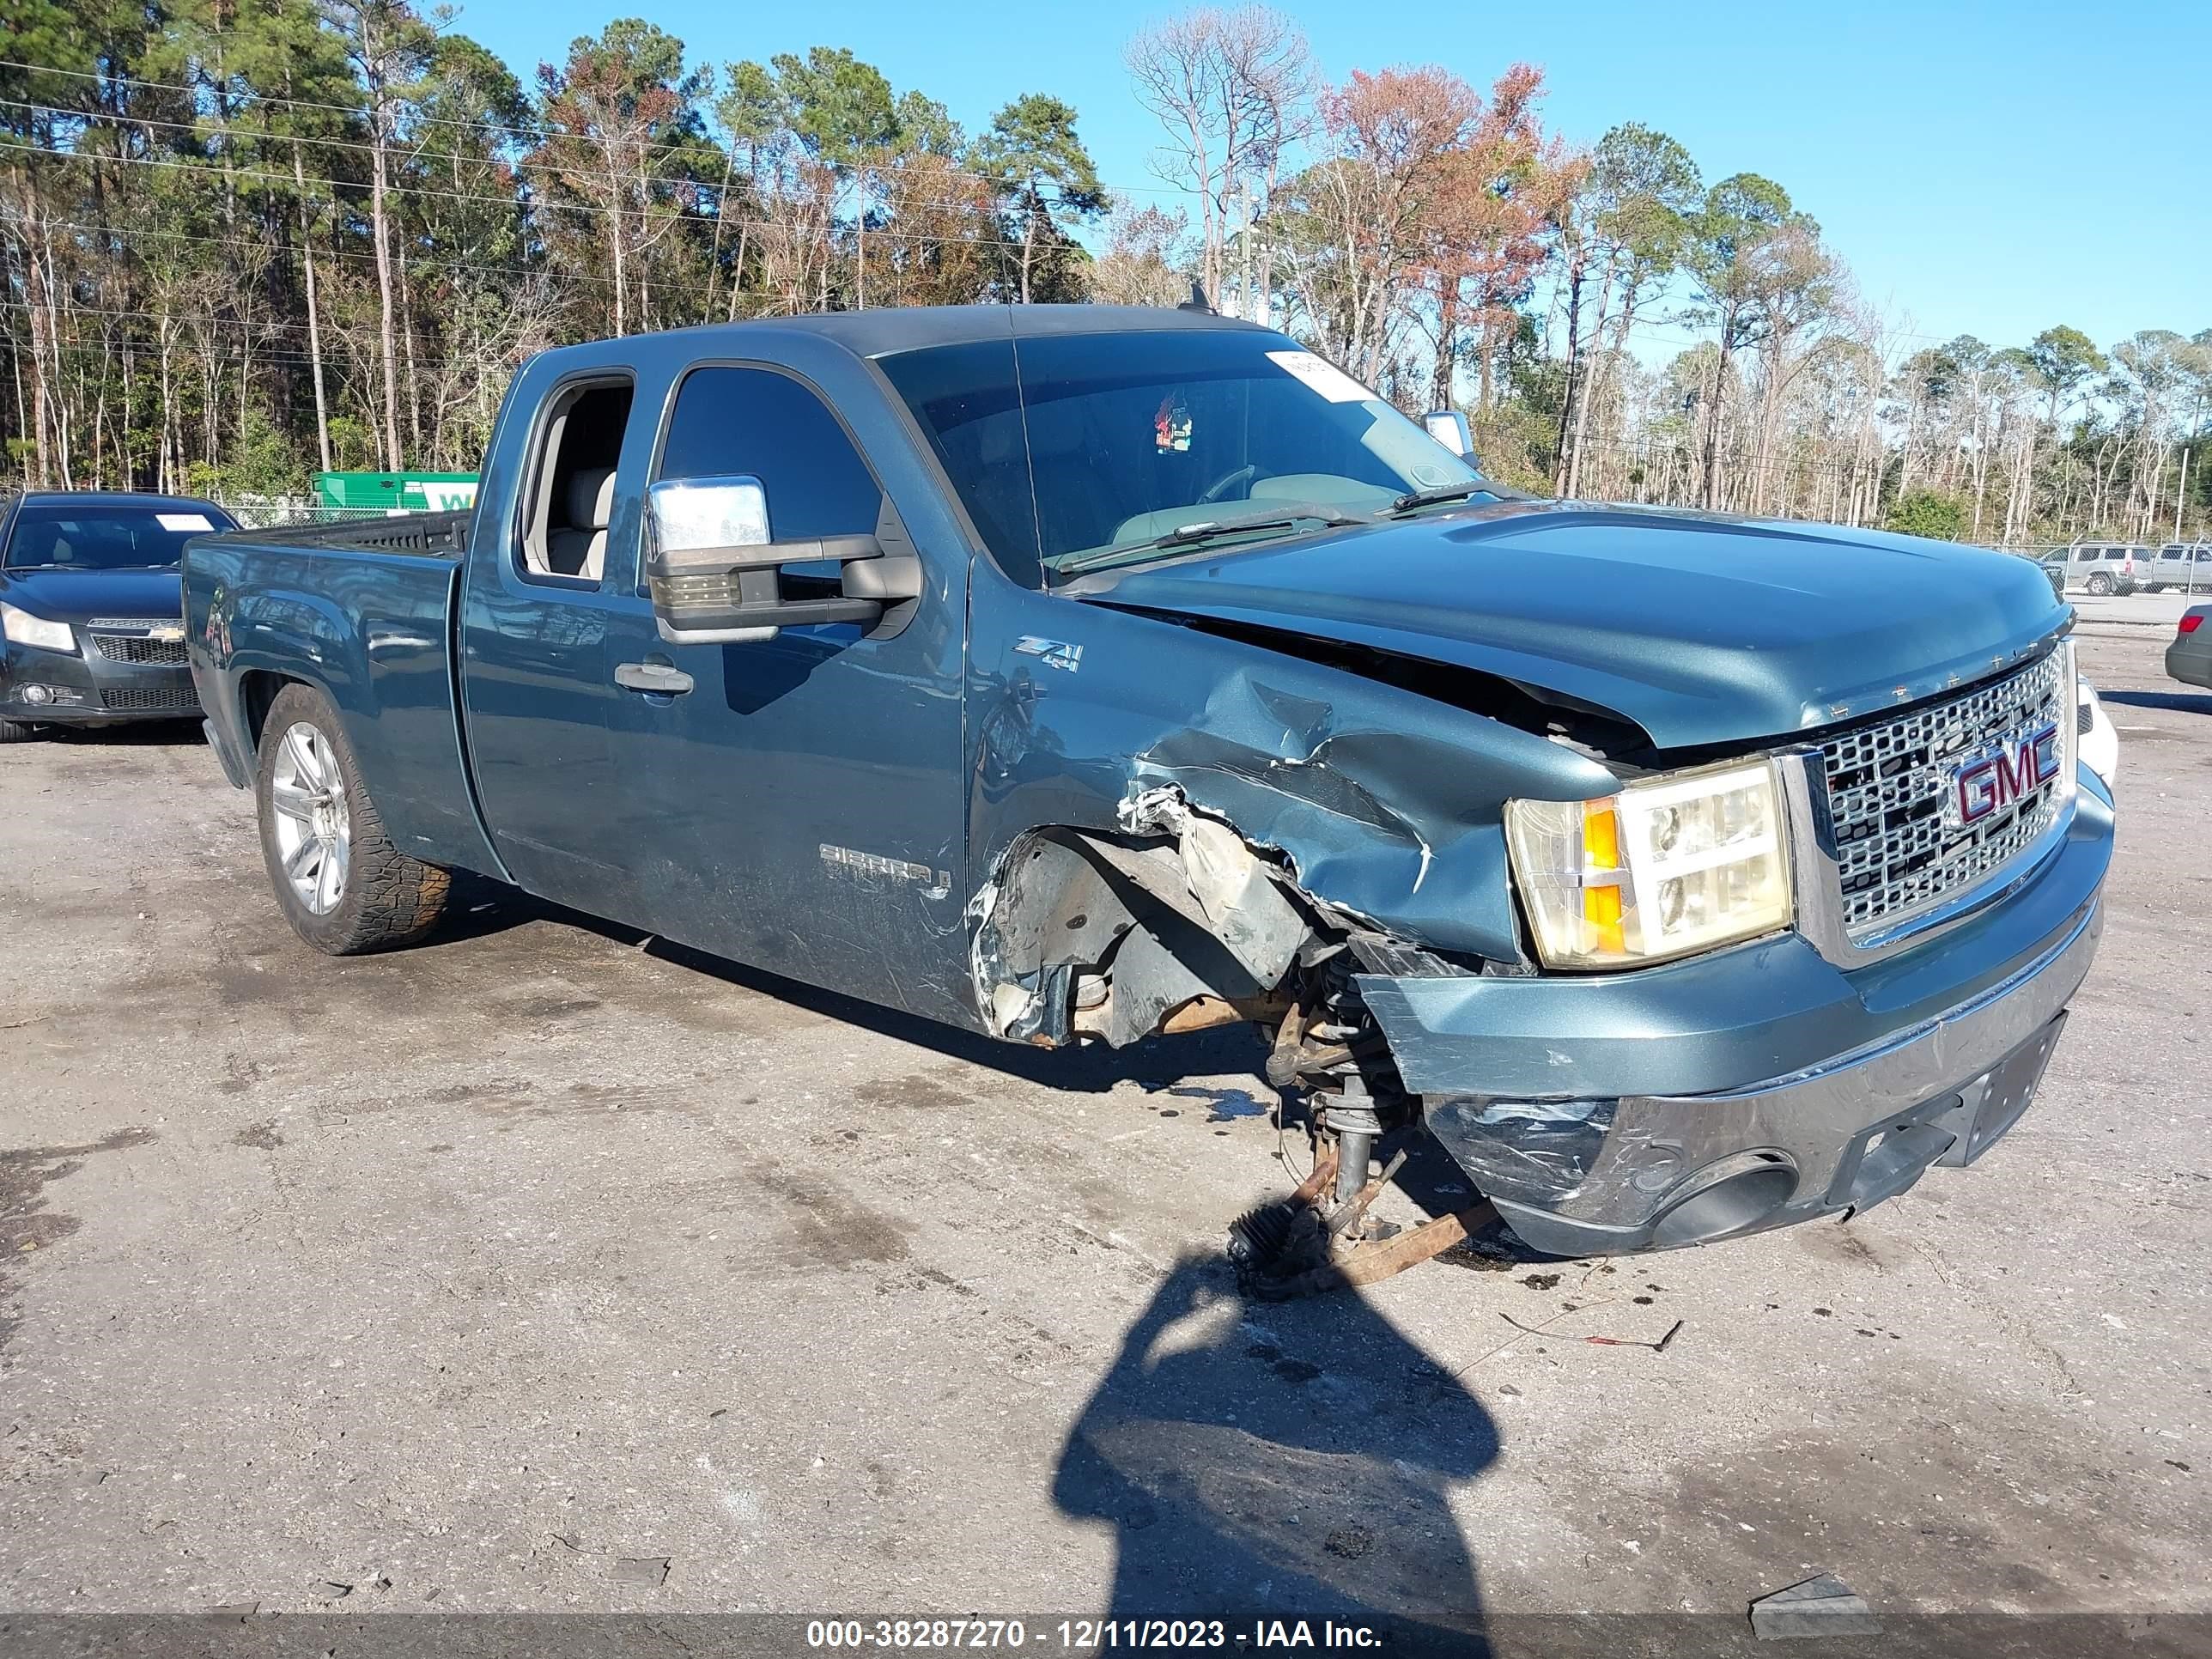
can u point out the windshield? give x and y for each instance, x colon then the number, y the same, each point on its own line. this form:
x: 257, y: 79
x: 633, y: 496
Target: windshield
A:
x: 1081, y: 451
x: 68, y: 536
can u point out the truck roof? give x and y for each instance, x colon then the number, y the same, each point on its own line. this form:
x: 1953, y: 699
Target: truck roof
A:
x: 904, y: 328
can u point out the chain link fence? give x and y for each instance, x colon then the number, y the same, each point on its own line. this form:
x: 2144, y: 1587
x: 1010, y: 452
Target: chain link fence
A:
x: 274, y: 513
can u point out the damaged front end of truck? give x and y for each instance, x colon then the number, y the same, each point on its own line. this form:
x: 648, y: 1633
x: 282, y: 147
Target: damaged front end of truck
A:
x: 1649, y: 987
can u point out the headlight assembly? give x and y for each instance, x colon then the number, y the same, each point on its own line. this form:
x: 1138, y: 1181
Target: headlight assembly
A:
x: 25, y: 629
x: 1669, y: 866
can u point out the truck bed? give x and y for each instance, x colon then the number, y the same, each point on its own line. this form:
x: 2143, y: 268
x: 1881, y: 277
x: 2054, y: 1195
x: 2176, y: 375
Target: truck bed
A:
x: 363, y: 611
x: 435, y: 535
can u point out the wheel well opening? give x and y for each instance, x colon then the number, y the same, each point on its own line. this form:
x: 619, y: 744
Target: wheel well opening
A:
x: 257, y: 691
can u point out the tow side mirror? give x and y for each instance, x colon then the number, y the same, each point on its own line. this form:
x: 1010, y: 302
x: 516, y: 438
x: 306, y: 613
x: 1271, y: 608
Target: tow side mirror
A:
x: 716, y: 579
x: 1449, y: 427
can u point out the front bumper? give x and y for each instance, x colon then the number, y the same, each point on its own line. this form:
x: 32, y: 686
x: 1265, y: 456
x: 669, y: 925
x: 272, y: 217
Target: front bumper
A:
x: 86, y: 687
x: 1753, y: 1088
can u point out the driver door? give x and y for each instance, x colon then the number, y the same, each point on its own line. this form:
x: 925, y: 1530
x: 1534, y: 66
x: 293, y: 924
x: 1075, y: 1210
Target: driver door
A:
x: 797, y: 803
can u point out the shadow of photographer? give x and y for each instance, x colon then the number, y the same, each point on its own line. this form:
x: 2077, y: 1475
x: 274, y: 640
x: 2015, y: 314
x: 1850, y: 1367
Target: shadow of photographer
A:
x: 1262, y: 1461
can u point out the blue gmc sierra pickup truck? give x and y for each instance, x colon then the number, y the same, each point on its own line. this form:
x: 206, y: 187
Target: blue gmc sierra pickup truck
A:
x: 1075, y: 673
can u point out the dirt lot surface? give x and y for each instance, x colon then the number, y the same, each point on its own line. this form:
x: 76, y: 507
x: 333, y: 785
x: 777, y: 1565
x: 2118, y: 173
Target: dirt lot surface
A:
x: 488, y: 1275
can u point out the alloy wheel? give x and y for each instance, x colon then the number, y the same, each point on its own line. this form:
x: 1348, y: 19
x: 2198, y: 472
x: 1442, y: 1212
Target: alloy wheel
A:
x: 314, y: 831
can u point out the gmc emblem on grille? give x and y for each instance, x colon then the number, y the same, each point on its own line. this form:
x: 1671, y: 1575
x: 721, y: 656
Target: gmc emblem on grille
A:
x: 2015, y: 771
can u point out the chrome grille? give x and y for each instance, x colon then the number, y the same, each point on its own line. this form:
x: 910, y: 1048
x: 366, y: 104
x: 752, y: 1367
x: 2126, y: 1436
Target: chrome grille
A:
x: 135, y: 624
x: 1898, y: 850
x: 135, y: 648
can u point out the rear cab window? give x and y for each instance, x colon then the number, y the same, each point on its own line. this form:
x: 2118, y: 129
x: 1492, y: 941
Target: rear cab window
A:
x: 563, y: 538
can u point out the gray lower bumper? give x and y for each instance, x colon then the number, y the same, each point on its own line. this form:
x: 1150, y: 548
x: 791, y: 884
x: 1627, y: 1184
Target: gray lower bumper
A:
x: 1656, y: 1171
x: 1754, y: 1087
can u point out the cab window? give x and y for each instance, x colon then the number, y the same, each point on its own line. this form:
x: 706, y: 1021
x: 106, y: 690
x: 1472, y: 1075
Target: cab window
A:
x: 756, y: 423
x: 572, y: 492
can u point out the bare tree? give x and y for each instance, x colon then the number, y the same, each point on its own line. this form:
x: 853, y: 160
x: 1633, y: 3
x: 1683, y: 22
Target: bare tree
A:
x: 1146, y: 262
x: 1233, y: 91
x: 388, y: 46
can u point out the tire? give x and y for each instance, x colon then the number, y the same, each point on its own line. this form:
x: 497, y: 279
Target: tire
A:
x: 343, y: 886
x: 16, y: 732
x: 2100, y: 584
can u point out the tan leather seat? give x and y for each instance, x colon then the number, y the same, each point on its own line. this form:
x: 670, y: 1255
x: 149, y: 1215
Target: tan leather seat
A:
x: 581, y: 549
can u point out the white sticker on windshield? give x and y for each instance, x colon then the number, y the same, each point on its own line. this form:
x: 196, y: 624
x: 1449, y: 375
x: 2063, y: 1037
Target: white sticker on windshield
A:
x: 185, y: 521
x: 1324, y: 377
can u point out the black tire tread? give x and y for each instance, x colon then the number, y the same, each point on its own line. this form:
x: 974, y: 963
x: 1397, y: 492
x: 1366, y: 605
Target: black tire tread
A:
x: 392, y: 899
x: 16, y: 732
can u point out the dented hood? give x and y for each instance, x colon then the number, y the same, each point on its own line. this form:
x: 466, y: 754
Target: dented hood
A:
x: 1700, y: 629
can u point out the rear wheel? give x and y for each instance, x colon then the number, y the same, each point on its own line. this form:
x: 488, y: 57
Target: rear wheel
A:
x: 16, y: 732
x: 2100, y: 584
x: 343, y: 886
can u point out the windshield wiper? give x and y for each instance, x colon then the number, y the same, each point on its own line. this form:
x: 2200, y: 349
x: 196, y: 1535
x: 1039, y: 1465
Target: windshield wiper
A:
x: 1190, y: 535
x: 1435, y: 494
x: 1206, y: 530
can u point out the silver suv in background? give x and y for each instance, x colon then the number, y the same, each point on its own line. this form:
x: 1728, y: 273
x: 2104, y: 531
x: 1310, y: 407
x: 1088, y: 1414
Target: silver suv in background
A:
x: 2102, y: 567
x: 2186, y: 565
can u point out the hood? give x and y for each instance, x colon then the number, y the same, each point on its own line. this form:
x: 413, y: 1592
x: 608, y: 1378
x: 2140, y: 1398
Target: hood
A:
x: 1700, y: 629
x: 78, y: 596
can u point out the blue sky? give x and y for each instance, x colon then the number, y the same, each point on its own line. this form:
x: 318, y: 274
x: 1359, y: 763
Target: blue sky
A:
x: 1984, y: 170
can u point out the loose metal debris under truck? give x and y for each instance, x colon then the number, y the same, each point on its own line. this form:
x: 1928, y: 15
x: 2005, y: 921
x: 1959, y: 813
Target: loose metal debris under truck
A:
x: 1072, y: 673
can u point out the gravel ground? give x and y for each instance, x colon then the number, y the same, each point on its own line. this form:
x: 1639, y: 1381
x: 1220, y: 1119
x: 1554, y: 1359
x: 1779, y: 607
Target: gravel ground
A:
x: 488, y: 1275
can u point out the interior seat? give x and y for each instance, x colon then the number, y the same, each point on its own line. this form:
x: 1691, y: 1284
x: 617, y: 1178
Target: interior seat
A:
x: 581, y: 549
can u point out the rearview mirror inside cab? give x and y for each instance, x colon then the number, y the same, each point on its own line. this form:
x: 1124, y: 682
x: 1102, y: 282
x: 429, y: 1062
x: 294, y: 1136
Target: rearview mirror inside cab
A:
x: 716, y: 577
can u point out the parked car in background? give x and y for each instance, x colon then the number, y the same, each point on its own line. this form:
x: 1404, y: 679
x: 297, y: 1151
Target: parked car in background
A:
x: 2188, y: 658
x: 1684, y: 876
x: 2102, y: 568
x: 2095, y: 739
x: 92, y: 629
x: 2186, y: 565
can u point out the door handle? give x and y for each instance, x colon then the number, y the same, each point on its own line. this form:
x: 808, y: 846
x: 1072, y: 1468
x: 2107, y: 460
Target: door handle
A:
x: 656, y: 677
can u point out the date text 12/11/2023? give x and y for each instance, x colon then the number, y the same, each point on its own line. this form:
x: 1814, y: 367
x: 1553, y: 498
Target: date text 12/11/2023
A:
x: 1088, y: 1635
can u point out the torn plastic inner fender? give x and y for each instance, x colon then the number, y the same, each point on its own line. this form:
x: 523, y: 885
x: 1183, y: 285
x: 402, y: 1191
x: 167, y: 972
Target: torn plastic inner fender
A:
x: 1086, y: 932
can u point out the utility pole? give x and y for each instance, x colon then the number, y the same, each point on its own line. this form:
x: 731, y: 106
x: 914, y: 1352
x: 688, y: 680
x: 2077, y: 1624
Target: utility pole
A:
x: 1244, y: 252
x: 2181, y: 494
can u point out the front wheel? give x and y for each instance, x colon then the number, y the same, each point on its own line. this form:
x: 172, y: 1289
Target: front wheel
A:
x: 2100, y: 584
x: 343, y: 886
x: 16, y: 732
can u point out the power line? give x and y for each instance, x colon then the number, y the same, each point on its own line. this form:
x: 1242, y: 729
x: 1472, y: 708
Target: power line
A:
x: 405, y: 152
x: 518, y: 202
x: 415, y: 259
x: 536, y: 133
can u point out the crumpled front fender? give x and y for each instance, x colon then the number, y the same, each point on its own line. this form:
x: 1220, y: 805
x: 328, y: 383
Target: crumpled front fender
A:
x: 1385, y: 805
